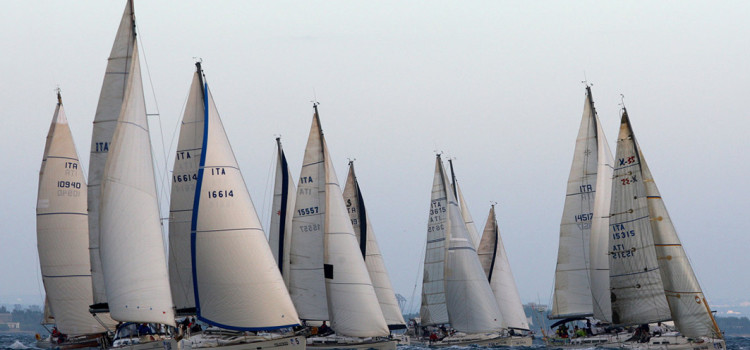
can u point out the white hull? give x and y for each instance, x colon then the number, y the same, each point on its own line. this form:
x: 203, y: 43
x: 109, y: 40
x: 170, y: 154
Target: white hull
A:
x: 163, y: 344
x: 603, y: 340
x: 672, y: 342
x: 491, y: 341
x: 333, y: 342
x: 240, y: 342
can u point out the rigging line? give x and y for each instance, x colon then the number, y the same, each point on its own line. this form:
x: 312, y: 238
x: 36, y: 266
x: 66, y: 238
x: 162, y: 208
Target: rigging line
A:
x: 419, y: 273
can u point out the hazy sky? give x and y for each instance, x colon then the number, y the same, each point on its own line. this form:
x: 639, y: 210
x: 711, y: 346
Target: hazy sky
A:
x: 495, y: 84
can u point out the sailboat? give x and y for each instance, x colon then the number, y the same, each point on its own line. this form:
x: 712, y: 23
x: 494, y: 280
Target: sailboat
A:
x: 650, y: 276
x: 62, y: 239
x: 127, y: 247
x: 455, y: 290
x: 368, y: 246
x: 235, y: 285
x: 582, y: 273
x: 328, y: 278
x: 496, y: 266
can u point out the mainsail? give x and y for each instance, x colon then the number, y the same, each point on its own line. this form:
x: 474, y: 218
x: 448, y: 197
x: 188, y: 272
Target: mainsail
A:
x: 453, y: 277
x: 62, y: 232
x: 581, y: 274
x: 236, y: 283
x: 280, y: 235
x: 496, y: 266
x: 688, y: 306
x: 111, y: 98
x: 130, y: 237
x: 636, y: 283
x: 368, y: 244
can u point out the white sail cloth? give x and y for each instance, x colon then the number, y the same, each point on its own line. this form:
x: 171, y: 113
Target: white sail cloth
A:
x: 108, y: 109
x: 282, y: 209
x: 62, y: 232
x: 131, y: 243
x: 496, y: 266
x: 373, y: 258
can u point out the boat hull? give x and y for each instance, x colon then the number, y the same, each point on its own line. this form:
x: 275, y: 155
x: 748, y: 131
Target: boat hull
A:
x: 321, y: 343
x: 602, y: 340
x: 296, y: 342
x: 484, y: 341
x: 163, y: 344
x: 671, y: 342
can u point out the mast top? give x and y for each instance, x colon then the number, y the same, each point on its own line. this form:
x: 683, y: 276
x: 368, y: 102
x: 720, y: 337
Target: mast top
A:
x: 59, y: 97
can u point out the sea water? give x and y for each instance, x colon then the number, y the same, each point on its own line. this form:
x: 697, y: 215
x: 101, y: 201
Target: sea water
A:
x: 23, y: 341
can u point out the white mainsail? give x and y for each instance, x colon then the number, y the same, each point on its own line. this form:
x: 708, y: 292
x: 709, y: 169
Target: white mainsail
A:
x: 62, y: 232
x: 130, y: 239
x: 469, y: 301
x: 116, y: 78
x: 688, y: 306
x: 471, y: 227
x: 370, y: 250
x: 184, y: 180
x: 581, y: 274
x: 237, y: 284
x: 635, y: 279
x: 496, y: 266
x: 306, y: 279
x: 280, y: 235
x: 434, y: 308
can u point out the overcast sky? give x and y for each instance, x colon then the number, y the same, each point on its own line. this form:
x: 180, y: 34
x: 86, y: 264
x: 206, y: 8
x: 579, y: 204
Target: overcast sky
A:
x: 495, y: 85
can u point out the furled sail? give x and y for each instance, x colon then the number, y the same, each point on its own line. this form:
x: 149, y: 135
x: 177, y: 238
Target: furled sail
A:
x: 280, y: 235
x: 237, y: 284
x: 496, y: 266
x: 116, y: 78
x: 689, y: 307
x: 368, y: 244
x: 62, y: 232
x: 635, y: 279
x: 306, y: 279
x: 131, y: 243
x: 582, y: 281
x: 184, y: 181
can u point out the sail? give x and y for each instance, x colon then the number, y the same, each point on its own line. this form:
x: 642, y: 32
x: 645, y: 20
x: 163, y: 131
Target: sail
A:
x: 237, y: 284
x: 599, y: 236
x: 47, y: 317
x: 573, y: 296
x: 465, y: 213
x: 689, y: 307
x: 306, y: 280
x: 434, y: 309
x: 62, y: 232
x: 497, y: 268
x: 635, y: 280
x: 184, y: 180
x: 131, y: 243
x: 111, y: 98
x: 280, y: 235
x: 352, y: 303
x: 370, y: 250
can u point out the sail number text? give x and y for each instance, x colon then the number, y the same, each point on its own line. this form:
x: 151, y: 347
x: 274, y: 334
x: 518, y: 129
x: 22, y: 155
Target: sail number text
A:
x: 101, y: 146
x: 310, y: 228
x: 184, y: 177
x: 220, y: 194
x: 627, y: 161
x: 307, y: 211
x: 69, y: 184
x: 629, y: 180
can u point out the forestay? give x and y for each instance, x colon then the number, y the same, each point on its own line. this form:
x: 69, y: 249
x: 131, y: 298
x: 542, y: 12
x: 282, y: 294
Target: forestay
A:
x: 111, y: 97
x: 368, y: 244
x: 131, y: 243
x: 636, y: 284
x: 496, y: 266
x: 237, y: 284
x: 280, y: 235
x: 62, y: 232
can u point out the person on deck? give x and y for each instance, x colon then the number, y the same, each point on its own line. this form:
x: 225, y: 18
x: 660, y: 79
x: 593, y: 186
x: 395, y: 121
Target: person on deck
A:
x: 324, y: 329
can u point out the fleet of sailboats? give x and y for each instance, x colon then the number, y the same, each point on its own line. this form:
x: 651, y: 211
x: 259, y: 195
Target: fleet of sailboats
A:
x: 101, y: 247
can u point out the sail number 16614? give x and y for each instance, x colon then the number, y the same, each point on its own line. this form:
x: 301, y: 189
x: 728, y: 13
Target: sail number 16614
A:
x: 220, y: 194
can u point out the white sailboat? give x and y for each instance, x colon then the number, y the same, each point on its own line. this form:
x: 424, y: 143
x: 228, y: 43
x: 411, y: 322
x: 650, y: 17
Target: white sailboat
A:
x: 236, y: 285
x: 280, y: 233
x: 582, y: 271
x: 62, y: 239
x: 328, y: 279
x: 368, y: 245
x: 650, y: 275
x: 496, y: 266
x: 455, y: 290
x: 127, y: 234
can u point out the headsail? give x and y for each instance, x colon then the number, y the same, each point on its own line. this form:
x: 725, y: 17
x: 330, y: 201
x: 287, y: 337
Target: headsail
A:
x: 131, y: 242
x: 62, y: 232
x: 636, y: 284
x: 495, y: 262
x: 113, y: 91
x: 362, y: 226
x: 237, y: 285
x: 471, y: 227
x: 284, y: 193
